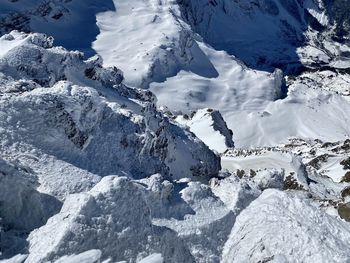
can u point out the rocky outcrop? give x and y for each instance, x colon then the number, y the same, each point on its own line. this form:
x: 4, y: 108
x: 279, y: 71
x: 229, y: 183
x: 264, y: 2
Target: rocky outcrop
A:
x: 88, y: 121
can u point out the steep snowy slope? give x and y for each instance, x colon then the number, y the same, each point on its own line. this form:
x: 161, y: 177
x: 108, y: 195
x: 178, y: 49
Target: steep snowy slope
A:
x: 274, y: 32
x: 286, y: 227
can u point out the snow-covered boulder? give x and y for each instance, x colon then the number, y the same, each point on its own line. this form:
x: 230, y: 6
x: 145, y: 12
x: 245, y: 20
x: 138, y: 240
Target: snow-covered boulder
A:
x: 204, y: 228
x: 236, y: 193
x: 209, y: 126
x: 113, y: 217
x: 270, y: 178
x: 32, y: 57
x: 289, y: 227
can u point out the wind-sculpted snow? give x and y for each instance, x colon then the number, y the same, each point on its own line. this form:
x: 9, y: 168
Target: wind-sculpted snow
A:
x: 287, y: 227
x: 113, y: 216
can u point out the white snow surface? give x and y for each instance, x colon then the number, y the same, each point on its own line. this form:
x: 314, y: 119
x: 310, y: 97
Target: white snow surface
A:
x: 287, y: 227
x: 111, y: 217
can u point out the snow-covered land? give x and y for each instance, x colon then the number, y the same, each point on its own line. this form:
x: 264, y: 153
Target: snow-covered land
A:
x: 158, y: 131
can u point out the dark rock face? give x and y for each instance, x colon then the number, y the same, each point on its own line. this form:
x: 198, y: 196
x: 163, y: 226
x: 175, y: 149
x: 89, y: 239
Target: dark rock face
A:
x: 339, y: 11
x: 45, y: 16
x: 266, y: 34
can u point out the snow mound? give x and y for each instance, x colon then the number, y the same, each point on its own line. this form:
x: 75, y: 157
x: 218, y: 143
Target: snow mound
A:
x: 113, y: 217
x: 289, y: 227
x: 209, y: 126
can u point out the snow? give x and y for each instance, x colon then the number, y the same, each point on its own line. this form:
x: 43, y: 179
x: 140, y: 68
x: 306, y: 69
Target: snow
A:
x: 270, y: 160
x: 288, y: 226
x: 175, y: 137
x: 154, y: 258
x: 251, y: 101
x: 209, y: 126
x: 108, y: 218
x: 71, y: 23
x: 307, y: 112
x: 81, y: 110
x: 90, y: 256
x: 16, y: 259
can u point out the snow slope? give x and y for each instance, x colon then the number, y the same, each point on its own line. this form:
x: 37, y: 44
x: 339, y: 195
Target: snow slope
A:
x: 248, y: 99
x: 286, y: 227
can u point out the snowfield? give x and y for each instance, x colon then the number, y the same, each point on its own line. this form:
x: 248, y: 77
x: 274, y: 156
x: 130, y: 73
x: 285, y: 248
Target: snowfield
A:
x: 156, y: 131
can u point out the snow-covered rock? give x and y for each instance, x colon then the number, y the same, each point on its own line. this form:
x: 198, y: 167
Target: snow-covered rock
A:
x: 113, y: 217
x: 89, y: 123
x: 90, y: 256
x: 205, y: 229
x: 272, y: 178
x: 22, y: 207
x: 209, y: 126
x: 287, y: 227
x: 235, y: 192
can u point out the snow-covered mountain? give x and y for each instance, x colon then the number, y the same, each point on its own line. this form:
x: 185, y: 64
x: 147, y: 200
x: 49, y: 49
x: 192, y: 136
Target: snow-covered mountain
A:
x: 174, y: 131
